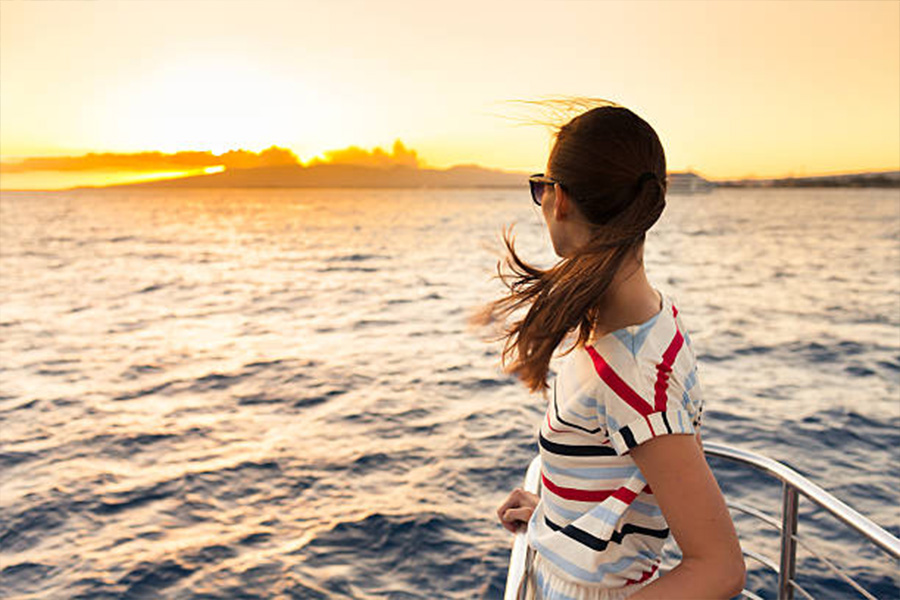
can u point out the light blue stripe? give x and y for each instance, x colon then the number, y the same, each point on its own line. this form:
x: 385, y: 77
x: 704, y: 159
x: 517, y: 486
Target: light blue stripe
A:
x: 694, y: 403
x: 591, y: 576
x: 641, y: 336
x: 691, y: 379
x: 612, y: 423
x: 593, y: 472
x: 650, y: 510
x: 688, y: 405
x: 552, y: 594
x: 589, y: 419
x: 566, y: 513
x: 627, y: 340
x: 599, y: 512
x: 634, y: 343
x: 602, y: 513
x: 687, y: 338
x: 587, y: 401
x: 547, y: 590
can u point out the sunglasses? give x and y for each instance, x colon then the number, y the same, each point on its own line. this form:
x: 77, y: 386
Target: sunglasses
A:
x: 537, y: 183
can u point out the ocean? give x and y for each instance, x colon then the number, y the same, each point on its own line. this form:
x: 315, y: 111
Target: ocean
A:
x: 275, y: 393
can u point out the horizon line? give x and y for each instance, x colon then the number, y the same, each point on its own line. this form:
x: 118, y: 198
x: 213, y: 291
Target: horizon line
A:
x: 748, y: 180
x: 192, y: 163
x: 220, y: 169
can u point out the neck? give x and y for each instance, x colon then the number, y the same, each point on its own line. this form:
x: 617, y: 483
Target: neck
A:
x: 630, y: 300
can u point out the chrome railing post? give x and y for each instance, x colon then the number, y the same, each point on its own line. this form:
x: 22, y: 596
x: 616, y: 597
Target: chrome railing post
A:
x: 787, y: 568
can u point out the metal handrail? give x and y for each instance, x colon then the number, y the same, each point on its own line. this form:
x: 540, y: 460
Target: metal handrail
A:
x: 793, y: 486
x: 810, y: 490
x: 520, y: 557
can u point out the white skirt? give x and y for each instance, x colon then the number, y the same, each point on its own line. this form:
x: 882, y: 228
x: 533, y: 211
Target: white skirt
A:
x: 545, y: 584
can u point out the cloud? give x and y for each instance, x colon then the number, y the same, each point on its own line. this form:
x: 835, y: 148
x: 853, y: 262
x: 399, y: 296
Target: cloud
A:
x: 400, y: 155
x: 270, y: 157
x: 152, y: 161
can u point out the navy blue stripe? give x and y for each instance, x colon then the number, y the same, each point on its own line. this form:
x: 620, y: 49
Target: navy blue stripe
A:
x: 568, y: 450
x: 666, y: 421
x: 595, y: 543
x: 628, y: 437
x: 560, y: 419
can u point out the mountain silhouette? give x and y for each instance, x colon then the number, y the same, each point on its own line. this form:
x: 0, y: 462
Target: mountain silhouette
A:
x: 326, y: 175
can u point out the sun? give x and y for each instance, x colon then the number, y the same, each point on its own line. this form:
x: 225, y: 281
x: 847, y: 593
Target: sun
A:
x: 223, y: 103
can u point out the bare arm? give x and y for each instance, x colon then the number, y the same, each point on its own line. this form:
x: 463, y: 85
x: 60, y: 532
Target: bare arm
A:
x: 712, y: 565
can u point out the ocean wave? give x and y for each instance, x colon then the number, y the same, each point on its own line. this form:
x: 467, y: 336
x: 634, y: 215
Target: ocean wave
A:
x: 206, y: 404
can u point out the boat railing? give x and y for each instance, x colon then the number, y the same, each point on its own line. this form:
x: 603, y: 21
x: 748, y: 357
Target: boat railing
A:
x: 793, y: 486
x: 521, y: 554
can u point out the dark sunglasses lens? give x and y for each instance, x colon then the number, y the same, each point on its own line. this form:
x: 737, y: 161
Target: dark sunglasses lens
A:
x: 537, y: 191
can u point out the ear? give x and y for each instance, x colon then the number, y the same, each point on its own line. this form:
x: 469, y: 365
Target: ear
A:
x: 562, y: 206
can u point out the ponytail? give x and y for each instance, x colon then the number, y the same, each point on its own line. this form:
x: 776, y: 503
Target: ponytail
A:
x: 570, y: 295
x: 613, y: 166
x: 566, y: 297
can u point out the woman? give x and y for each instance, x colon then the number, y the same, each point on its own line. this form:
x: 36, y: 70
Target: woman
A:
x: 622, y: 462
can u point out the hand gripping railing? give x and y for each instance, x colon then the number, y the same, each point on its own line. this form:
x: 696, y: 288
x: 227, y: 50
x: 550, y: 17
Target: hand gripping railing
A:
x: 520, y: 557
x: 793, y: 485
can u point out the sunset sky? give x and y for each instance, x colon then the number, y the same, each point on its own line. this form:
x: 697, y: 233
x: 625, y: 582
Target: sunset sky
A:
x: 734, y: 89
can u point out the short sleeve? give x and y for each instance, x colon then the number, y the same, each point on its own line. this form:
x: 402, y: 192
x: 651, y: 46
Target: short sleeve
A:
x: 638, y: 405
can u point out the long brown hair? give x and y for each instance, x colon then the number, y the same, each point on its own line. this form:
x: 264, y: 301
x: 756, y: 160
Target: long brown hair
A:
x: 601, y: 158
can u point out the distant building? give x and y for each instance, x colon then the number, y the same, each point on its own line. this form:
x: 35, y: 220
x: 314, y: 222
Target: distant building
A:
x: 688, y: 183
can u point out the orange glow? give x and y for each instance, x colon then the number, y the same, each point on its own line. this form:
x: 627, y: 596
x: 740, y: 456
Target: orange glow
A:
x: 58, y: 180
x: 734, y: 89
x: 103, y: 169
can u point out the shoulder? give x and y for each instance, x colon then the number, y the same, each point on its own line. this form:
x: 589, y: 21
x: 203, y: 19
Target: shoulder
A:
x: 597, y: 371
x: 640, y: 351
x: 648, y: 376
x: 667, y: 350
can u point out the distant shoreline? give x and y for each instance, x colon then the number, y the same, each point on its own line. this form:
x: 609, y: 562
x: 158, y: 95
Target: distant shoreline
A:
x: 885, y: 179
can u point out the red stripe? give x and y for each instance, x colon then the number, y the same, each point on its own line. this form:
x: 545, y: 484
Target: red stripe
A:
x: 622, y: 389
x: 625, y: 495
x: 575, y: 494
x: 643, y: 577
x: 665, y: 367
x: 551, y: 426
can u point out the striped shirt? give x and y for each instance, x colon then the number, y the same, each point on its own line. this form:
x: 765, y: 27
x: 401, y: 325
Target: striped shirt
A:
x: 597, y: 523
